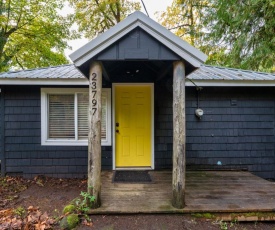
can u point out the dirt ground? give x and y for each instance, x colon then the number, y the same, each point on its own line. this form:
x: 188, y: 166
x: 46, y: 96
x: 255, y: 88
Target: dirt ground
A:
x: 51, y: 195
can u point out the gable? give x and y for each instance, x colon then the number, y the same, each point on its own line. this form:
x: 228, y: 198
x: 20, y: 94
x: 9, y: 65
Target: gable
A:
x: 105, y: 45
x: 137, y: 45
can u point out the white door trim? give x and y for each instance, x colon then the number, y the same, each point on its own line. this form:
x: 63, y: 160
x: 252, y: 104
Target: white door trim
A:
x: 152, y: 123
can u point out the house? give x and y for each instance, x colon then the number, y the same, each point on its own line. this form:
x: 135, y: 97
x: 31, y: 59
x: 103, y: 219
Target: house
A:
x: 44, y: 112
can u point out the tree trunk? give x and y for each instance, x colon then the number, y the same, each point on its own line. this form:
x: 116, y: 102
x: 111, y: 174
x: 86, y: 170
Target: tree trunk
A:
x: 178, y: 184
x: 94, y: 138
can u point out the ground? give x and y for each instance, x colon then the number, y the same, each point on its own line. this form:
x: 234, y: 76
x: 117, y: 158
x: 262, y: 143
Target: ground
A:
x: 38, y: 204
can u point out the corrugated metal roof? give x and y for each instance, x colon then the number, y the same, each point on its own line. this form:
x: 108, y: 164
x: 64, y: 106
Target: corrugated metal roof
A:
x: 53, y: 72
x: 207, y: 72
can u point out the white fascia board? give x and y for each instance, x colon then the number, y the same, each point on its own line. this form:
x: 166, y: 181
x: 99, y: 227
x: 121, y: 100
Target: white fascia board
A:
x: 232, y: 83
x: 105, y: 39
x: 98, y: 46
x: 171, y: 39
x: 138, y: 19
x: 17, y: 81
x: 176, y: 46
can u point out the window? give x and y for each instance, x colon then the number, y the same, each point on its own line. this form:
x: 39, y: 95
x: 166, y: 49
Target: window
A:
x: 64, y: 116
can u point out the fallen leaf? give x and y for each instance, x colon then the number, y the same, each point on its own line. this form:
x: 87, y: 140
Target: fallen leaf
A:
x: 44, y: 216
x: 87, y: 223
x: 39, y: 183
x: 39, y: 226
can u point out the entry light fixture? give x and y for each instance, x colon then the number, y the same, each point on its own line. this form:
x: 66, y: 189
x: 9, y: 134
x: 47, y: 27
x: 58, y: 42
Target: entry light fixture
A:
x: 133, y: 72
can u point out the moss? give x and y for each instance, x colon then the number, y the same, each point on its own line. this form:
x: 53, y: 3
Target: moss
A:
x: 69, y: 209
x: 69, y: 222
x: 261, y: 216
x: 73, y: 220
x: 203, y: 215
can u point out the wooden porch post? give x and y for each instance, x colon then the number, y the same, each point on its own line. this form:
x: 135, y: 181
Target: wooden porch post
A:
x: 178, y: 184
x: 94, y: 137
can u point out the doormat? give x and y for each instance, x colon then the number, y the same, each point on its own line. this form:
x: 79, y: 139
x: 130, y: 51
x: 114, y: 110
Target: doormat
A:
x: 132, y: 177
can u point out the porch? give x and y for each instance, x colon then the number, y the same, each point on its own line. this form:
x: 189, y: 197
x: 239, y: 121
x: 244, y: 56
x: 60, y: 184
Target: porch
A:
x: 206, y: 191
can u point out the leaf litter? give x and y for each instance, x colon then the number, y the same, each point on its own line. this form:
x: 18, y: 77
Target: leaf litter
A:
x: 28, y: 216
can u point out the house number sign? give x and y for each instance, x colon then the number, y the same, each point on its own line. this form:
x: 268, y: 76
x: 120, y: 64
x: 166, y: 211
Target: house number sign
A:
x: 94, y: 93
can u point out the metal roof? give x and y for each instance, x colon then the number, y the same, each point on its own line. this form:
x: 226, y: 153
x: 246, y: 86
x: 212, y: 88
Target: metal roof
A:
x: 70, y: 75
x: 207, y: 72
x: 54, y: 72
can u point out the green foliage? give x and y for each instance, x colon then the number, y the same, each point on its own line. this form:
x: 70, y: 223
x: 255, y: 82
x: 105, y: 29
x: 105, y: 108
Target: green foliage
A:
x: 82, y: 203
x: 245, y: 30
x: 33, y: 34
x: 223, y: 225
x: 184, y: 18
x: 20, y: 211
x: 69, y: 222
x: 233, y: 223
x: 238, y: 34
x: 79, y: 206
x: 69, y: 209
x: 203, y: 215
x: 96, y: 16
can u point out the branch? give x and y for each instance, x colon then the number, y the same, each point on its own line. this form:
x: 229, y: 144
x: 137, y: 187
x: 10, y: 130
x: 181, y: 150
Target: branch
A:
x: 12, y: 30
x: 30, y: 20
x: 8, y: 18
x: 176, y: 27
x: 19, y: 63
x: 114, y: 13
x: 118, y: 6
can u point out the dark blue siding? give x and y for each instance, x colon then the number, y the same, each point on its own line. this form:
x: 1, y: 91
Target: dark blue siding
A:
x: 2, y: 158
x: 163, y: 127
x: 237, y: 131
x: 24, y: 152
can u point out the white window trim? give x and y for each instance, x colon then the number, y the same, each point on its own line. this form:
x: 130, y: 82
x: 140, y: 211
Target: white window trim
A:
x: 70, y: 142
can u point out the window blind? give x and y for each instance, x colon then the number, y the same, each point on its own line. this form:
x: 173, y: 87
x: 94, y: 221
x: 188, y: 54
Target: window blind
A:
x: 83, y: 105
x: 61, y: 116
x: 104, y: 116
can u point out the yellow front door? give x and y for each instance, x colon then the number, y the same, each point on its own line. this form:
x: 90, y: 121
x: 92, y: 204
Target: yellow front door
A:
x: 133, y: 125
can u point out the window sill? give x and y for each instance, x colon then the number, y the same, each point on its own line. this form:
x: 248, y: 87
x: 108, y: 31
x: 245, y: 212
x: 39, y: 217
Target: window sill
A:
x: 70, y: 143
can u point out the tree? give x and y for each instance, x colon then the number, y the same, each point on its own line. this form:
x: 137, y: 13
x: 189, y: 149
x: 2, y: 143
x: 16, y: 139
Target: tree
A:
x: 96, y: 16
x: 234, y: 33
x: 245, y: 30
x: 187, y: 18
x: 33, y: 34
x: 184, y: 18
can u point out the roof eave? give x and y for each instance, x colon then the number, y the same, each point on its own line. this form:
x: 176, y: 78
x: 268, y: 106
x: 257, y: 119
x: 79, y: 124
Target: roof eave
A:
x: 85, y: 82
x: 138, y: 19
x: 45, y: 81
x: 230, y: 83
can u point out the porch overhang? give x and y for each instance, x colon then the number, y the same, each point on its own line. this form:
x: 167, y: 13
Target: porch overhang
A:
x: 83, y: 56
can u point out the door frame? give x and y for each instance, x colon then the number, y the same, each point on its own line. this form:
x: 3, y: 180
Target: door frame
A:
x: 152, y: 125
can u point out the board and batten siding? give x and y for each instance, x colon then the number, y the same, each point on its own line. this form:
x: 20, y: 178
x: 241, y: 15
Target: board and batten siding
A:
x: 24, y: 152
x: 235, y: 132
